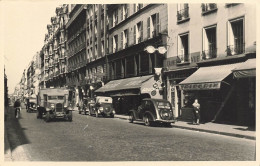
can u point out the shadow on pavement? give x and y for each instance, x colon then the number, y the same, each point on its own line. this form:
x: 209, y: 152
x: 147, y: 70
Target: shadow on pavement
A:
x: 15, y: 133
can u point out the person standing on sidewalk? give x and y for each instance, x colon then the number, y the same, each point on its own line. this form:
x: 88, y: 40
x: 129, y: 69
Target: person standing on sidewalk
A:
x: 196, y: 111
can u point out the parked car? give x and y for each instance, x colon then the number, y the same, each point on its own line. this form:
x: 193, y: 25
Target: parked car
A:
x: 152, y: 111
x: 85, y: 104
x: 31, y: 104
x: 103, y: 106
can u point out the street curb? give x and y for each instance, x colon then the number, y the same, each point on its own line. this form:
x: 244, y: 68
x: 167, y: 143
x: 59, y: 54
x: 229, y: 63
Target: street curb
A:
x: 208, y: 131
x: 216, y: 132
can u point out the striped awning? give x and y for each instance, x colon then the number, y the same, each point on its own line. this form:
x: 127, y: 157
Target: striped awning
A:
x: 246, y: 69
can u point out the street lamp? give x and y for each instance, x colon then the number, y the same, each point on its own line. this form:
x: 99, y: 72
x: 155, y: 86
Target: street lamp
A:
x: 152, y: 49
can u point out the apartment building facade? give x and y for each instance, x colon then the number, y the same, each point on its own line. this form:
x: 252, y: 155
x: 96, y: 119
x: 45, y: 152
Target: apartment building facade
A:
x: 206, y: 42
x: 131, y: 28
x: 54, y: 50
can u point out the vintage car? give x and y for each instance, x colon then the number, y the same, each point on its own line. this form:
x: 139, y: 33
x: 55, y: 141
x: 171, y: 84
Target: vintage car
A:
x: 152, y: 111
x: 103, y: 106
x: 31, y: 105
x: 53, y: 104
x: 85, y: 105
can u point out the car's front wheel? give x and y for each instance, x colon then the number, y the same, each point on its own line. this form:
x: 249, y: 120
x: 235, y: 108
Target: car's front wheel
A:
x: 147, y: 121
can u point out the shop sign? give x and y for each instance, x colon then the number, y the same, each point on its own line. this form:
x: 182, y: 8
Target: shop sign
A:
x: 201, y: 86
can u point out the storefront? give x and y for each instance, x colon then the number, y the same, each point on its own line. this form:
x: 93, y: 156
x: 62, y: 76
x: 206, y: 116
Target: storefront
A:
x: 245, y: 76
x: 174, y: 93
x: 127, y: 93
x: 214, y: 87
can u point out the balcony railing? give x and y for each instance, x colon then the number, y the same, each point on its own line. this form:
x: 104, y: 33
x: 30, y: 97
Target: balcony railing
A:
x: 235, y: 49
x: 183, y: 14
x: 209, y: 54
x: 208, y: 7
x: 182, y: 58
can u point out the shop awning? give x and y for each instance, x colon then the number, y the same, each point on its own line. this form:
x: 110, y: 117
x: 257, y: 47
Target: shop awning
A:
x: 246, y: 69
x: 206, y: 78
x: 124, y: 84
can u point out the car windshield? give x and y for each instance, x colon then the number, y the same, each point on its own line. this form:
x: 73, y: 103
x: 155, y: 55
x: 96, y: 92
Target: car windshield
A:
x: 55, y: 97
x: 161, y: 104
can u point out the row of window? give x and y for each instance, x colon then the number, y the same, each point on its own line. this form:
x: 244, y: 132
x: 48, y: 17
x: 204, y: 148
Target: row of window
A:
x: 139, y: 64
x: 124, y: 12
x: 235, y: 43
x: 206, y: 8
x: 153, y: 27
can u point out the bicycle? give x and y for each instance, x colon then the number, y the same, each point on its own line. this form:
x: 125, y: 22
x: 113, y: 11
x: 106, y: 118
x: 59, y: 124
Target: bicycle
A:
x: 17, y: 112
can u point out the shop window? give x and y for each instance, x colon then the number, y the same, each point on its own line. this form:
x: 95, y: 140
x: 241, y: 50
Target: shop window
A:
x: 130, y: 66
x: 235, y: 37
x: 112, y: 70
x: 183, y: 48
x: 209, y: 43
x: 138, y: 32
x: 153, y: 25
x: 183, y: 12
x: 144, y: 64
x: 115, y: 43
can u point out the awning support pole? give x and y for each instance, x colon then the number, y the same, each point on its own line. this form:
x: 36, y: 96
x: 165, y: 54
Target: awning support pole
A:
x: 224, y: 103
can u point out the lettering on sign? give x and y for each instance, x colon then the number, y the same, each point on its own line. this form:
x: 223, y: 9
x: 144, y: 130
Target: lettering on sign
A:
x: 202, y: 86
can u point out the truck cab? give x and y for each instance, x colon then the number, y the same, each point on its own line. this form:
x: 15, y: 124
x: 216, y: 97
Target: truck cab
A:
x: 53, y: 104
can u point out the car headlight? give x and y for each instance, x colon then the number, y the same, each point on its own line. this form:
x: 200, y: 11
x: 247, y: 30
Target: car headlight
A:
x: 114, y: 111
x: 52, y: 106
x: 101, y: 108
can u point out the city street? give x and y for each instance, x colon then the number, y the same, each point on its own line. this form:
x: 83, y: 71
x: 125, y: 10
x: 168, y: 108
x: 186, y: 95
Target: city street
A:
x: 111, y: 139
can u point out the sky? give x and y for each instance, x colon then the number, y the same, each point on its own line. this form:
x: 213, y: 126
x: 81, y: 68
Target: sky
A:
x: 24, y: 27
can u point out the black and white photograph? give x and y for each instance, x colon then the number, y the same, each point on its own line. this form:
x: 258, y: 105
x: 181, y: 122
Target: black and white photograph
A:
x: 129, y: 82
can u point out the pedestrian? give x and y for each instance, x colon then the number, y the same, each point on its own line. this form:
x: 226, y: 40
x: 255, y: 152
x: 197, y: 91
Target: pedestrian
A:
x: 17, y: 105
x: 196, y: 112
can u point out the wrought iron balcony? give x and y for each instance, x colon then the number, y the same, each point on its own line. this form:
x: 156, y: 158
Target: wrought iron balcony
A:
x: 183, y: 14
x: 208, y: 7
x: 209, y: 54
x: 238, y: 48
x: 183, y: 58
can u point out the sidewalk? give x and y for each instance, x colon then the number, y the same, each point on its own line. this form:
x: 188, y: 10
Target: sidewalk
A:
x: 222, y: 129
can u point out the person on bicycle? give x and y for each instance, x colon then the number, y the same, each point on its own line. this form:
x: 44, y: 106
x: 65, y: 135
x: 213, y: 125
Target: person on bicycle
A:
x: 17, y: 105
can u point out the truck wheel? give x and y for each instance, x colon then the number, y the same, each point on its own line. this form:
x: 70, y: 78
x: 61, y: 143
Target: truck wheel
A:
x: 47, y: 118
